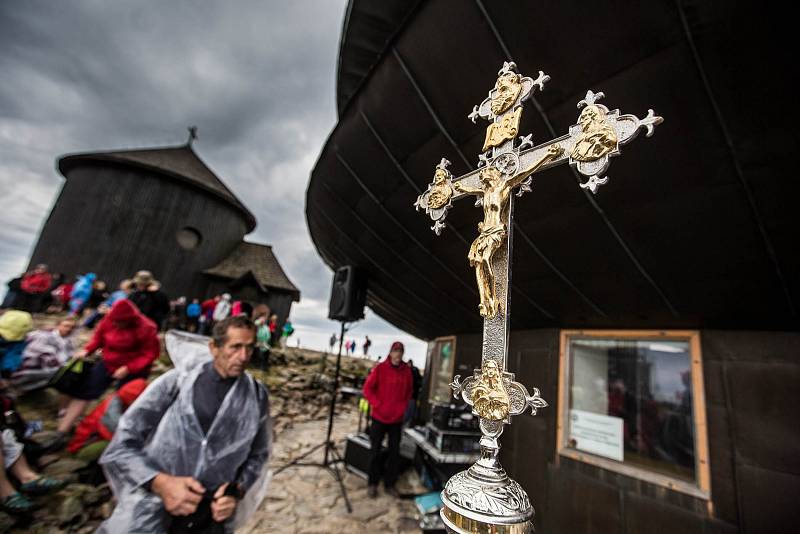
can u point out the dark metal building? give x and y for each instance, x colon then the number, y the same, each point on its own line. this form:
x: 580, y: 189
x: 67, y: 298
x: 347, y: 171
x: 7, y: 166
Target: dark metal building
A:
x: 690, y: 250
x: 162, y: 210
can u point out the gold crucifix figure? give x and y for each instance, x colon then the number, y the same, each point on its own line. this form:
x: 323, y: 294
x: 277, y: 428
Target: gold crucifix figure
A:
x: 494, y: 193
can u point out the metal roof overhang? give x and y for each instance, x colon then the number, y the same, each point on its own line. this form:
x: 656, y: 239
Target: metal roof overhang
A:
x: 696, y: 227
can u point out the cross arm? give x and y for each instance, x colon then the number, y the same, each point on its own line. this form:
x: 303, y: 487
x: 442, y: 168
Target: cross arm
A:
x: 467, y: 184
x: 461, y: 187
x: 552, y: 152
x: 528, y: 159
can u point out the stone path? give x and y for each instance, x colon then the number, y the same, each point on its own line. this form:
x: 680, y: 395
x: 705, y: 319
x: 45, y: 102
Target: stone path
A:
x: 307, y: 500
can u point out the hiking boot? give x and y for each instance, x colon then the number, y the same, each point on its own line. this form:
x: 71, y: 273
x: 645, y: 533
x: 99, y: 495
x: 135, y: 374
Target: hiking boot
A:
x: 17, y: 504
x: 42, y: 486
x: 372, y: 491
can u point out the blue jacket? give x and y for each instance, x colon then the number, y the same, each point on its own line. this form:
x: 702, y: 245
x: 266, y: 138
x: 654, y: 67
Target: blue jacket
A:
x: 193, y: 310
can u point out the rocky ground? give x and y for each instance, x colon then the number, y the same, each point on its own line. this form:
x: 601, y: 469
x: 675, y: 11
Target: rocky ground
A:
x: 307, y: 500
x: 301, y: 500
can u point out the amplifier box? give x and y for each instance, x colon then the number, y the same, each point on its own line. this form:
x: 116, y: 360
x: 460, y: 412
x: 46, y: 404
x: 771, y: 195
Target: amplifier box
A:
x: 453, y: 441
x: 454, y: 417
x: 357, y: 454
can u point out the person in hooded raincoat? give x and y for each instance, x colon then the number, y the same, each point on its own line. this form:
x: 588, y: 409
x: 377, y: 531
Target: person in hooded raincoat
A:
x: 81, y: 292
x: 130, y: 345
x: 195, y: 444
x: 14, y: 326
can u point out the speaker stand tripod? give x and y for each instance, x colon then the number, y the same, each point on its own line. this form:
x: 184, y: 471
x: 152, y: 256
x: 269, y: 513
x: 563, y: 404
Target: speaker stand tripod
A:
x: 332, y: 457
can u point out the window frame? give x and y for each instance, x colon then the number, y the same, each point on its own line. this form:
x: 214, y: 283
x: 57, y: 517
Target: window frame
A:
x: 701, y: 488
x: 433, y: 357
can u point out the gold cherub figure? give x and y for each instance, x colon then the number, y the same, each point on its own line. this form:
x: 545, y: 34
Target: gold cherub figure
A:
x: 597, y: 137
x: 441, y: 191
x: 489, y: 395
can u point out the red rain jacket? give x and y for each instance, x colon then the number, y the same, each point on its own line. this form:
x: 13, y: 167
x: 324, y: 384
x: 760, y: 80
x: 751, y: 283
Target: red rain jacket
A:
x: 207, y: 307
x: 388, y: 390
x: 134, y: 346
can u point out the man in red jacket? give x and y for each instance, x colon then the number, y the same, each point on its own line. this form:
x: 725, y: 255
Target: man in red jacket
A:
x: 388, y: 390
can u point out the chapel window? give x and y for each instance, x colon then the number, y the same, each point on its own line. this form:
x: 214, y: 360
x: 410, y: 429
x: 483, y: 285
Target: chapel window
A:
x: 633, y: 402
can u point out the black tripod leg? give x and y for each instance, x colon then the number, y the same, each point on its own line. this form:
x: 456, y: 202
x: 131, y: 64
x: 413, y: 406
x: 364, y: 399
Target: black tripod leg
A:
x: 296, y: 461
x: 334, y: 458
x: 337, y: 474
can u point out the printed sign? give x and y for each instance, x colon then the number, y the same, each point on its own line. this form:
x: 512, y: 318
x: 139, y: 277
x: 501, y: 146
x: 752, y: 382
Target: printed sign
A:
x: 597, y: 434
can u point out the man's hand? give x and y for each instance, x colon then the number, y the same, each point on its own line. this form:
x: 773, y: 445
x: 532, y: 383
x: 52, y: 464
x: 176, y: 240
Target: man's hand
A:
x: 181, y: 495
x: 120, y: 373
x: 81, y: 354
x: 223, y: 506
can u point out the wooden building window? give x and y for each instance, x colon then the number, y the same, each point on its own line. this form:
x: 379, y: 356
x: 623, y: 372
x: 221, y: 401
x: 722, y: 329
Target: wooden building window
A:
x: 189, y: 238
x: 442, y: 358
x: 633, y: 402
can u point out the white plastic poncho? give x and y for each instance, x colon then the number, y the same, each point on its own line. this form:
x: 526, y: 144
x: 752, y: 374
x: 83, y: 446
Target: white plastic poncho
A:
x: 160, y: 433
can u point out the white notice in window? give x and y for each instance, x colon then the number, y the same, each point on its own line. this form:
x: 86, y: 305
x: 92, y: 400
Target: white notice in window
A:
x: 597, y: 434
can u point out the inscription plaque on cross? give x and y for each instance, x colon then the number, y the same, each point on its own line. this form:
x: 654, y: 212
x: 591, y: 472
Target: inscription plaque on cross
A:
x: 483, y: 498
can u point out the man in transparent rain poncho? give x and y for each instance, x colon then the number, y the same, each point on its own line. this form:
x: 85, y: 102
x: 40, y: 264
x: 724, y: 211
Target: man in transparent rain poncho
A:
x: 190, y: 454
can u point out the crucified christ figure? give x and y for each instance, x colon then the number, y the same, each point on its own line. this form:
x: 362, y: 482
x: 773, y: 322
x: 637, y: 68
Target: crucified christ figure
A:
x: 495, y: 193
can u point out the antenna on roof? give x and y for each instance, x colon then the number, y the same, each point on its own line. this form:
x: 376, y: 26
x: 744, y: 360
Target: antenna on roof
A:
x: 192, y: 134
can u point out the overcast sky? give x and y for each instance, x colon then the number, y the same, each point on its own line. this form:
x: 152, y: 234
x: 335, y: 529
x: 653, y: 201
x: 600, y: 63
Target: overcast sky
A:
x: 257, y: 78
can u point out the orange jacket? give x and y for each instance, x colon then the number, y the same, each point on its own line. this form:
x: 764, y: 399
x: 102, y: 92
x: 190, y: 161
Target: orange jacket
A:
x: 95, y: 426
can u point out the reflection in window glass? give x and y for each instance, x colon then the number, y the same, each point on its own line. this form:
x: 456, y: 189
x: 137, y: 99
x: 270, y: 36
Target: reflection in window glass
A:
x: 442, y: 370
x: 631, y: 400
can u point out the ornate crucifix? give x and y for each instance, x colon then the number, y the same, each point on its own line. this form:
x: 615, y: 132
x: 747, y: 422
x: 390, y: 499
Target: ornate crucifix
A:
x: 484, y: 496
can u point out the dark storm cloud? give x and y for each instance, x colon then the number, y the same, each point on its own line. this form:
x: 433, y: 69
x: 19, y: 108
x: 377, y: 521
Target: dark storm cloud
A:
x: 257, y: 78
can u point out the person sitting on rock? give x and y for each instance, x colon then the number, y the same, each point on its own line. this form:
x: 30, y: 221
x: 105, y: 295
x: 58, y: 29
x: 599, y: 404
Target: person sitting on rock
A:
x: 96, y: 429
x: 14, y: 326
x: 34, y: 288
x: 192, y: 450
x: 44, y: 354
x: 129, y: 343
x: 13, y: 460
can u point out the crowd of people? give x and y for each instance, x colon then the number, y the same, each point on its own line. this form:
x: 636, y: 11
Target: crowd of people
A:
x: 112, y: 370
x: 32, y: 360
x: 88, y: 299
x: 349, y: 345
x: 184, y: 450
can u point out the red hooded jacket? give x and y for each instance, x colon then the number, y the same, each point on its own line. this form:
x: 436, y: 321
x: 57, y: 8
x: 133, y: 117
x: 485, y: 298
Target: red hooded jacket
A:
x: 134, y: 345
x: 92, y: 427
x: 388, y: 390
x: 36, y: 282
